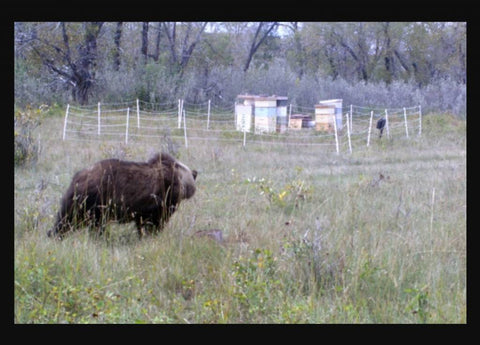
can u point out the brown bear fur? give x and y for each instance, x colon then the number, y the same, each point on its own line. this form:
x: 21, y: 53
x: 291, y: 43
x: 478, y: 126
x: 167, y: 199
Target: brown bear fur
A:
x: 147, y: 193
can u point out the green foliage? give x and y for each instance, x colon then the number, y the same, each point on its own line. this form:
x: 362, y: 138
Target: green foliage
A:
x: 288, y: 197
x: 418, y: 305
x: 147, y: 86
x: 50, y: 299
x: 256, y: 285
x: 26, y: 149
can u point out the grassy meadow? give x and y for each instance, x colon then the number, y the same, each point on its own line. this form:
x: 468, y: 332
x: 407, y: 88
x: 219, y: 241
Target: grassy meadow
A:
x: 376, y: 236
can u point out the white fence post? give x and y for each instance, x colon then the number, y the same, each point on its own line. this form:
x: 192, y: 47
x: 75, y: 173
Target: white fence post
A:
x: 244, y: 136
x: 126, y: 128
x: 336, y: 134
x: 405, y: 117
x: 419, y: 120
x: 185, y: 128
x: 98, y: 110
x: 348, y: 134
x: 289, y: 114
x: 138, y: 114
x: 370, y: 128
x: 179, y: 113
x: 244, y: 130
x: 65, y: 123
x: 208, y: 115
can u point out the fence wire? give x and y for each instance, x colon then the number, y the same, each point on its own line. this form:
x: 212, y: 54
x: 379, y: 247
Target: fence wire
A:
x: 139, y: 121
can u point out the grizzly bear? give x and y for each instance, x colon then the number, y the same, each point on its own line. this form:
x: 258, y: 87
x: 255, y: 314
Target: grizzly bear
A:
x: 145, y: 192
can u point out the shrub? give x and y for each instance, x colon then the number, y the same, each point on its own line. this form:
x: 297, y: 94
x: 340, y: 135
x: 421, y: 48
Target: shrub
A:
x: 256, y: 286
x: 26, y: 148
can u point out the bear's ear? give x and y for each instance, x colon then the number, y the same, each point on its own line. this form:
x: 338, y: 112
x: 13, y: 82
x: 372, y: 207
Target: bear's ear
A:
x: 154, y: 160
x: 167, y: 158
x: 194, y: 173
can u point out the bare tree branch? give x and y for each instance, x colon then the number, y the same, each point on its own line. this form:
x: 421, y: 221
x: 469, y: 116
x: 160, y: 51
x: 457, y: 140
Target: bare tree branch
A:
x: 256, y: 43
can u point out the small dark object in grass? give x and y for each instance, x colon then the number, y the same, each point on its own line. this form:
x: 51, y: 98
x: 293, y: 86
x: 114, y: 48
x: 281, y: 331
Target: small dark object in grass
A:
x: 214, y: 234
x: 381, y: 125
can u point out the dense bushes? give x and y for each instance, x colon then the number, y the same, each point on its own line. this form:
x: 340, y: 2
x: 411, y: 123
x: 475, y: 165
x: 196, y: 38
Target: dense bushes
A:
x: 152, y: 83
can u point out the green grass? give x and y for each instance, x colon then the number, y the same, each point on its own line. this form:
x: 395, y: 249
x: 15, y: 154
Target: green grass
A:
x: 311, y: 236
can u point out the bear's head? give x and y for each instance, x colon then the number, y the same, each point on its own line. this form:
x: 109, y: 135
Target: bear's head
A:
x: 181, y: 177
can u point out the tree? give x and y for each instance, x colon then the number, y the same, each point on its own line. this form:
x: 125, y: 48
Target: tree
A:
x: 116, y: 39
x: 199, y: 59
x: 70, y: 52
x: 156, y: 54
x: 181, y: 50
x: 261, y: 34
x: 295, y: 51
x: 144, y: 49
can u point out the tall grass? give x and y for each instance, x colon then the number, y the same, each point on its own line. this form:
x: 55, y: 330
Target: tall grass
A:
x: 311, y: 236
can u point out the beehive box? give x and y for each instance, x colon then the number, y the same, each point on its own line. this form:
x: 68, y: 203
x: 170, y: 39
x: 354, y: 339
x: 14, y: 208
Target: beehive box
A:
x: 265, y: 116
x: 295, y: 121
x: 324, y: 118
x: 265, y: 113
x: 338, y: 104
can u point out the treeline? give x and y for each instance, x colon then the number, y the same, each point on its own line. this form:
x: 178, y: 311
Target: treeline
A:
x: 87, y: 62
